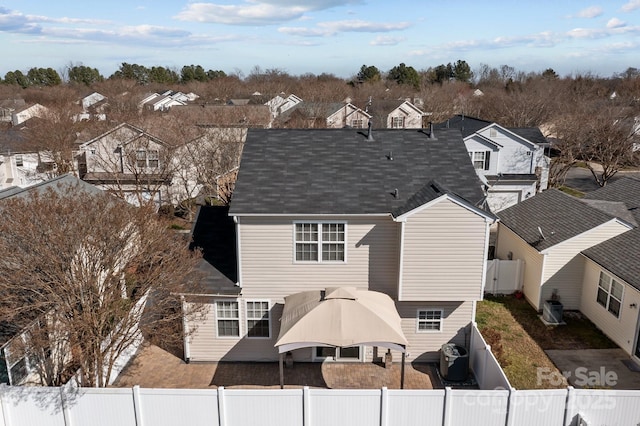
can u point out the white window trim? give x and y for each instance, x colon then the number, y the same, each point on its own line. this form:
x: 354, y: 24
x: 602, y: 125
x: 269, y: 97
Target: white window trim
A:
x: 247, y: 318
x: 319, y: 242
x: 441, y: 321
x: 610, y: 293
x: 239, y: 319
x: 485, y: 166
x: 398, y: 122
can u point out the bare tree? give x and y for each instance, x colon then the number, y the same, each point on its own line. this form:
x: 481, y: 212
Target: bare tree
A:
x: 599, y: 133
x: 94, y: 272
x: 53, y: 135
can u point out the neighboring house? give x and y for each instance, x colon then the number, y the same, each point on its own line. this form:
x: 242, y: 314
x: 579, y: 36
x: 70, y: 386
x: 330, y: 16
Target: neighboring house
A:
x: 582, y: 252
x: 8, y: 107
x: 247, y: 116
x: 163, y: 101
x: 15, y: 366
x: 332, y: 115
x: 511, y: 161
x: 93, y: 107
x: 19, y: 165
x: 392, y: 211
x: 277, y: 105
x: 27, y: 112
x: 128, y: 161
x: 395, y: 114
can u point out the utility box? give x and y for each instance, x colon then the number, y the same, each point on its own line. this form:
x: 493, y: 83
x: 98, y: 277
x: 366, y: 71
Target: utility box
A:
x: 552, y: 312
x: 454, y: 362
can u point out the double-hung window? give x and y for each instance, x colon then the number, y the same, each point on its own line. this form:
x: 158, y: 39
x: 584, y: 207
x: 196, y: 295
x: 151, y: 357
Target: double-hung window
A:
x: 228, y: 318
x: 397, y: 122
x: 357, y: 123
x: 480, y: 159
x: 146, y: 159
x: 141, y: 158
x: 609, y: 294
x: 429, y: 320
x: 319, y: 242
x: 153, y: 159
x: 258, y: 319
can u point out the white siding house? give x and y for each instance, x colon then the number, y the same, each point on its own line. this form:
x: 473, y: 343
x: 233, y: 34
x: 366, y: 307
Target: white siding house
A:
x: 583, y: 253
x: 307, y: 217
x: 511, y: 161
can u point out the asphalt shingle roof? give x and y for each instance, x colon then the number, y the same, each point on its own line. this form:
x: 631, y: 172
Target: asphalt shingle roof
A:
x: 467, y: 125
x: 340, y: 171
x: 56, y: 184
x: 620, y: 255
x: 470, y: 125
x: 559, y: 216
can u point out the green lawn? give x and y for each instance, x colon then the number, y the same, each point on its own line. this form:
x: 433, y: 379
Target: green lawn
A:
x: 518, y: 338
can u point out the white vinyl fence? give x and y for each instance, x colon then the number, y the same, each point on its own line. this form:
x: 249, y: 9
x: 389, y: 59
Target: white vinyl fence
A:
x: 504, y: 276
x: 26, y: 406
x: 484, y: 364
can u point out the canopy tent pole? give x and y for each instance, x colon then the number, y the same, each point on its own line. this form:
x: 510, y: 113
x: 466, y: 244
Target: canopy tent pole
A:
x: 281, y: 370
x: 402, y: 370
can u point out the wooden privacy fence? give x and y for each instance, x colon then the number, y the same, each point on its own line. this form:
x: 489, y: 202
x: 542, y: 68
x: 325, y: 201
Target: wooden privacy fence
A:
x: 22, y: 406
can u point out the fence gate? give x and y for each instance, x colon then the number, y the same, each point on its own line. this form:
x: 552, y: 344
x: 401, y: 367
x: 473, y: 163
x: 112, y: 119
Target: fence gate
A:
x: 504, y: 276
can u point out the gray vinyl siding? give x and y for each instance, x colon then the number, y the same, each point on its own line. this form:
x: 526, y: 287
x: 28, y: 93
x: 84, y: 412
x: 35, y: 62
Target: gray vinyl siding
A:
x: 621, y: 330
x: 509, y: 242
x: 269, y: 269
x: 444, y: 254
x: 424, y: 346
x: 564, y: 265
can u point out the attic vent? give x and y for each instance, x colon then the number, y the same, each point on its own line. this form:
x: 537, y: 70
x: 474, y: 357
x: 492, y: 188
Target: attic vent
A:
x: 370, y: 131
x: 390, y: 156
x: 395, y: 193
x: 435, y: 188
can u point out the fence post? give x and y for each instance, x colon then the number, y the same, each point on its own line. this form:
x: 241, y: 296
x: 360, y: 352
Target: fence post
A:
x: 485, y: 361
x: 137, y: 406
x: 222, y: 421
x: 3, y: 405
x: 66, y: 415
x: 384, y: 406
x: 446, y: 418
x: 568, y: 406
x: 511, y: 414
x: 306, y: 406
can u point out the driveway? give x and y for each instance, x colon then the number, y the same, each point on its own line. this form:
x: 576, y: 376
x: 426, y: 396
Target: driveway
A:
x: 594, y: 368
x: 581, y: 179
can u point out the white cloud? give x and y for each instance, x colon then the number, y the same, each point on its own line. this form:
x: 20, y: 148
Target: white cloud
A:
x: 631, y: 6
x: 590, y: 12
x: 386, y: 41
x: 256, y: 12
x: 615, y: 23
x: 326, y: 29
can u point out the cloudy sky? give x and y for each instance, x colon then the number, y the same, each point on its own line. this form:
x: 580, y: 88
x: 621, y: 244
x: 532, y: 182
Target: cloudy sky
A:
x: 333, y: 36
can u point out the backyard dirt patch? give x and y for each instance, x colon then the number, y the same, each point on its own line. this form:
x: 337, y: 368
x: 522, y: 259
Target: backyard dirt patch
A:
x: 518, y: 339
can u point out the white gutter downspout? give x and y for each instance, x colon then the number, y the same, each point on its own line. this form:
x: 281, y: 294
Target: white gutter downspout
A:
x: 400, y: 267
x: 185, y: 330
x: 236, y: 219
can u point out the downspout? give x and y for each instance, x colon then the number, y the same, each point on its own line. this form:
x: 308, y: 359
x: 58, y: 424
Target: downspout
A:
x: 236, y: 219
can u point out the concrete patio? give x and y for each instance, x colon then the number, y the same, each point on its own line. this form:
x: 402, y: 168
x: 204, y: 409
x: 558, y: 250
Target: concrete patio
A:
x: 595, y: 368
x: 154, y: 367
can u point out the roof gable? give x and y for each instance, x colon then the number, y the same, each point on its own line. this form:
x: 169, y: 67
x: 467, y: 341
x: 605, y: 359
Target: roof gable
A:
x: 341, y: 172
x: 551, y: 217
